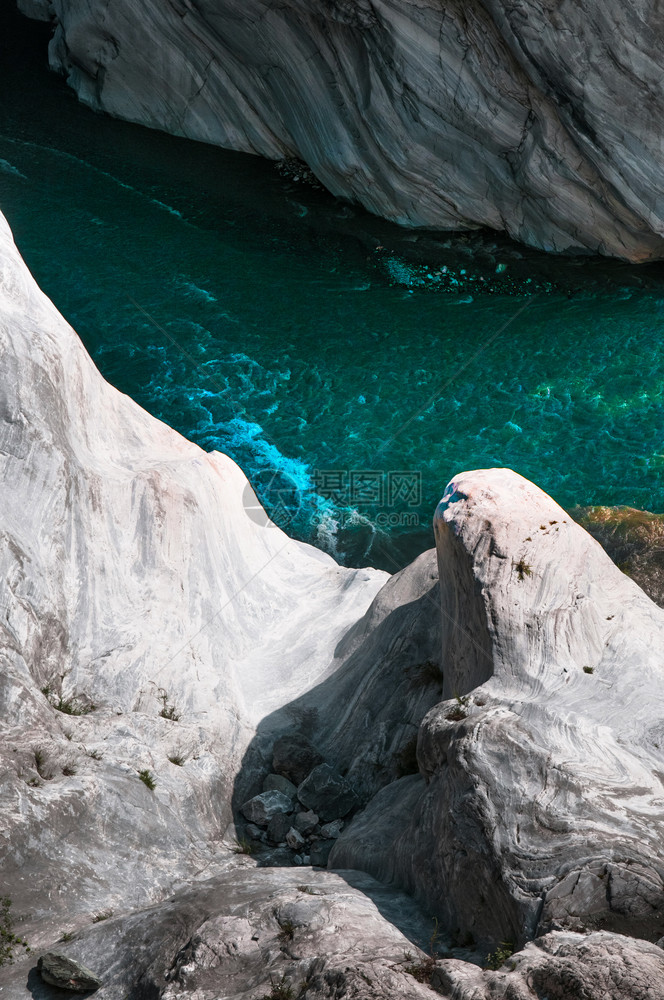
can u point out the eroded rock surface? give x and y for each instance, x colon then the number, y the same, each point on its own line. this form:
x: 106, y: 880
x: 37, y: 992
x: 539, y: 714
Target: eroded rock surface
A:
x: 540, y: 119
x: 539, y: 799
x: 135, y: 589
x: 496, y: 709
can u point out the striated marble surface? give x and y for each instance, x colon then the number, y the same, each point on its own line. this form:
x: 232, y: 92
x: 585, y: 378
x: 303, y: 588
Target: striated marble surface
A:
x: 497, y: 708
x: 138, y: 575
x: 539, y: 803
x: 541, y: 119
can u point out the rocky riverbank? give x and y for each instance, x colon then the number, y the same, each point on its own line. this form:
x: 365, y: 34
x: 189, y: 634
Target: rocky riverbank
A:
x: 198, y: 714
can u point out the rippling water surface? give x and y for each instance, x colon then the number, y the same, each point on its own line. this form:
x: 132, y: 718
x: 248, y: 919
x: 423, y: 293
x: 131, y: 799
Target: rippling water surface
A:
x: 350, y: 368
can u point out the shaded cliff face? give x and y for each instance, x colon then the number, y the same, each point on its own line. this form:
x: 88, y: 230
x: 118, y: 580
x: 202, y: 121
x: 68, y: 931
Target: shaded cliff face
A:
x: 538, y: 118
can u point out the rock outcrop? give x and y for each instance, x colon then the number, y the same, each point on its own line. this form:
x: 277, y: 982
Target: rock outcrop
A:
x: 540, y: 119
x: 488, y: 722
x: 149, y: 622
x: 635, y: 541
x: 539, y: 802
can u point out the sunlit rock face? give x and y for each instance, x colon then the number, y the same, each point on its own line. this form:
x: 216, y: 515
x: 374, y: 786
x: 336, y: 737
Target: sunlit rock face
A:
x: 538, y: 805
x: 541, y: 119
x: 496, y: 709
x: 152, y: 616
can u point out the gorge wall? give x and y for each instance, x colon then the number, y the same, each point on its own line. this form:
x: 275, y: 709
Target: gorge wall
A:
x: 495, y: 708
x: 537, y: 118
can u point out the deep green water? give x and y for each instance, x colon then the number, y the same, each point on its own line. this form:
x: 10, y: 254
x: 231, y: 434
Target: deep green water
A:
x: 299, y: 335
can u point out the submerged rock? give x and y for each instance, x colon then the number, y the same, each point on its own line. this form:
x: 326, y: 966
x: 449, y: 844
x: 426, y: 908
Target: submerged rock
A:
x: 635, y: 541
x: 541, y: 120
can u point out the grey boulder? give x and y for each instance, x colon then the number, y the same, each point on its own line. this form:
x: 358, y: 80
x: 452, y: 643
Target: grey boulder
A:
x: 263, y: 807
x: 294, y: 839
x: 330, y: 831
x: 305, y: 822
x: 327, y: 793
x: 294, y: 757
x: 277, y: 783
x: 59, y: 970
x: 278, y: 827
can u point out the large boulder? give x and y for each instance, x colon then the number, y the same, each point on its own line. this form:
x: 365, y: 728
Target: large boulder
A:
x: 294, y: 756
x: 327, y: 793
x: 544, y: 120
x: 538, y: 801
x: 59, y: 970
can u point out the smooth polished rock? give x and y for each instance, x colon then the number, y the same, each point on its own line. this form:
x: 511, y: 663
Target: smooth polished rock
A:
x: 538, y: 804
x: 132, y: 564
x: 541, y: 120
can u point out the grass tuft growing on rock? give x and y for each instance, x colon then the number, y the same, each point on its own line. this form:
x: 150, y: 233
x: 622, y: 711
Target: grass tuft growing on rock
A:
x: 523, y: 569
x: 243, y: 846
x: 423, y: 674
x: 168, y: 709
x: 287, y: 929
x: 9, y: 941
x: 148, y: 779
x: 281, y: 989
x: 423, y: 971
x: 496, y: 959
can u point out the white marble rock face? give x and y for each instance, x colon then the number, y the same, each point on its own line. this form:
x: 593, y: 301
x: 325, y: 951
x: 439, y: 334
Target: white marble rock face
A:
x: 540, y: 119
x: 130, y: 569
x: 132, y: 579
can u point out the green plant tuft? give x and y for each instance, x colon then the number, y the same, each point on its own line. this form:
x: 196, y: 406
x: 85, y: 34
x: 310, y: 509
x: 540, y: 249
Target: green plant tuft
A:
x: 148, y: 779
x: 589, y: 670
x: 168, y: 709
x: 177, y: 758
x: 9, y: 941
x: 523, y: 569
x: 426, y: 673
x: 281, y: 989
x: 243, y: 846
x: 423, y: 971
x: 287, y: 929
x: 496, y: 959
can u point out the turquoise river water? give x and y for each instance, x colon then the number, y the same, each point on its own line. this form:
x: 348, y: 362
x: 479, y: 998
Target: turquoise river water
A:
x: 350, y: 367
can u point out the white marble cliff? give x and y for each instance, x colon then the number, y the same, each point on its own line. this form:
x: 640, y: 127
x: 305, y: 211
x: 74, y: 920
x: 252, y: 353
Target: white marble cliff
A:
x: 543, y: 120
x: 492, y: 715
